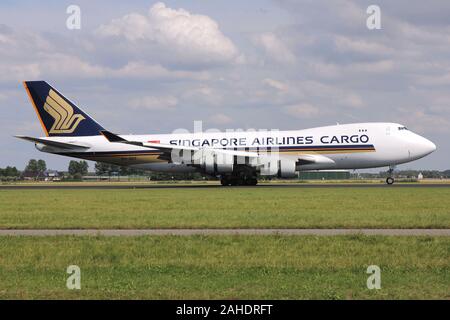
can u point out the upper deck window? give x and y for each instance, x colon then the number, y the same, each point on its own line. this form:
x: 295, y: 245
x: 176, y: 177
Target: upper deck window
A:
x: 402, y: 128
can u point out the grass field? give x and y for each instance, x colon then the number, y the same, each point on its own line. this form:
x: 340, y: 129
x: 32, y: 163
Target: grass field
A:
x: 227, y: 208
x: 227, y: 267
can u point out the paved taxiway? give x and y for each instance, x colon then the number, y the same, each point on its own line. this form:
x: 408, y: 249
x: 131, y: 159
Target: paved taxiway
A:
x: 203, y: 186
x: 190, y: 232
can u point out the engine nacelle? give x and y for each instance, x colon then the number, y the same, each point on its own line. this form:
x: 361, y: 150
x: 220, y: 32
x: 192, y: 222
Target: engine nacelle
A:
x: 286, y: 169
x: 274, y: 166
x: 213, y: 162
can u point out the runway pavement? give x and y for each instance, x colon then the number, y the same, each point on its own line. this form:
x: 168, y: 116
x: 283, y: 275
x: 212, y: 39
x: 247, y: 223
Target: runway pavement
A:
x: 52, y: 186
x: 190, y: 232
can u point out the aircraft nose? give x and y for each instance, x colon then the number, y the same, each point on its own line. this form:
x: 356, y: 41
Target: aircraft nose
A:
x: 430, y: 146
x: 425, y: 146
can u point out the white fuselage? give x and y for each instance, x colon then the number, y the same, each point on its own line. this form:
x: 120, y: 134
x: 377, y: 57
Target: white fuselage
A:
x: 350, y: 146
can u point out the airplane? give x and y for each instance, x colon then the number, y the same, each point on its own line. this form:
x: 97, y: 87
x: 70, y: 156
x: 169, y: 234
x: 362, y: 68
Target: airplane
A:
x: 237, y: 157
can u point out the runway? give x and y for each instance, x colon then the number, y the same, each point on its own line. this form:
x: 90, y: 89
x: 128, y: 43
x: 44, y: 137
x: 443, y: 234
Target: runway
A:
x: 211, y: 232
x: 54, y: 186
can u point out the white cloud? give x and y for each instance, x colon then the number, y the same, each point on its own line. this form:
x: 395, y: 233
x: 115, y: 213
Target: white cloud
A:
x: 132, y: 26
x: 59, y: 65
x: 192, y: 35
x: 302, y: 110
x: 18, y: 72
x: 346, y: 44
x: 381, y: 66
x: 203, y: 95
x: 275, y: 48
x: 276, y: 84
x: 436, y: 80
x: 423, y: 121
x: 154, y: 103
x: 352, y: 100
x: 220, y: 119
x: 140, y: 69
x: 323, y: 69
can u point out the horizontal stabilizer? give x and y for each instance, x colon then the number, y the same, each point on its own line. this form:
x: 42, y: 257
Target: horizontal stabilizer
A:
x: 111, y: 137
x: 55, y: 144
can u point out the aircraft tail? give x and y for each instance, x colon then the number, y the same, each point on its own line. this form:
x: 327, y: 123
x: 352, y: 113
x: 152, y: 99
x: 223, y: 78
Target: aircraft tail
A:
x: 57, y: 114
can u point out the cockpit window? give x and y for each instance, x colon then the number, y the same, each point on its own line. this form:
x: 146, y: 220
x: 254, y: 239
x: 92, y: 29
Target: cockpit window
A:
x: 402, y: 128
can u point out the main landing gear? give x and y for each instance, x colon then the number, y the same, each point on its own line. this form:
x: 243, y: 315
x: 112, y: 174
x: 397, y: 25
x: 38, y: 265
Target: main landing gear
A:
x: 390, y: 180
x: 234, y: 180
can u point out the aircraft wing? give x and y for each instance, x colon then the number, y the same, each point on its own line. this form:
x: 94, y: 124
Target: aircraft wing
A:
x: 302, y: 159
x: 168, y: 148
x: 51, y: 143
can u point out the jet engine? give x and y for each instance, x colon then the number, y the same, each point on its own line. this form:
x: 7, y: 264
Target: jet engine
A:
x: 286, y: 169
x: 273, y: 166
x: 213, y: 162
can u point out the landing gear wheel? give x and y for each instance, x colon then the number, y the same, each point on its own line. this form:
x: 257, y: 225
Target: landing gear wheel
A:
x: 226, y: 181
x: 249, y: 182
x: 390, y: 180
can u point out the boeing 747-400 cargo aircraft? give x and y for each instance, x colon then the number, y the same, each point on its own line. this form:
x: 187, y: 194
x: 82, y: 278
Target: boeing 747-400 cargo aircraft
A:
x: 237, y: 157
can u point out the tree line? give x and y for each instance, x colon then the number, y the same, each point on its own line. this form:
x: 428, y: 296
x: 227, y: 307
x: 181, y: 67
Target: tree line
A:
x: 37, y: 169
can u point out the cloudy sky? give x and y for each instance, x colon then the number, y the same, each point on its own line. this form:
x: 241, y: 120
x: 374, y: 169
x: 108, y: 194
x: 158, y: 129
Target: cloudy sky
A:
x: 154, y: 67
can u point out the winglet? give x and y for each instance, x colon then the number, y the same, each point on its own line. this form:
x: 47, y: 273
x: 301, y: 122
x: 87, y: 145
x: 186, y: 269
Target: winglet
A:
x: 111, y: 137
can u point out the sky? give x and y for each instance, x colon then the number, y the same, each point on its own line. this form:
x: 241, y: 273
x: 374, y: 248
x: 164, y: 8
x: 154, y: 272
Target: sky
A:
x: 156, y: 67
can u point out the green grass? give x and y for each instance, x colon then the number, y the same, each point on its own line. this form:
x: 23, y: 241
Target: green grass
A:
x: 227, y: 208
x: 225, y: 267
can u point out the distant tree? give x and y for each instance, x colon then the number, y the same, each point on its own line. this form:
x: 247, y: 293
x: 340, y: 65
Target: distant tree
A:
x: 73, y: 167
x: 32, y: 167
x: 11, y: 172
x: 127, y: 171
x: 36, y: 167
x: 78, y: 168
x: 41, y: 165
x: 102, y: 168
x: 84, y: 167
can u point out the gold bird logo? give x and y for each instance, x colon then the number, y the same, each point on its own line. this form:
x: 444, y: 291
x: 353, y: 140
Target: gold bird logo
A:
x: 65, y: 120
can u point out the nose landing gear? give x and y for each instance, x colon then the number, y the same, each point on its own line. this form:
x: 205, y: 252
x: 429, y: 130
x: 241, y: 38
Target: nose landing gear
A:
x: 390, y: 180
